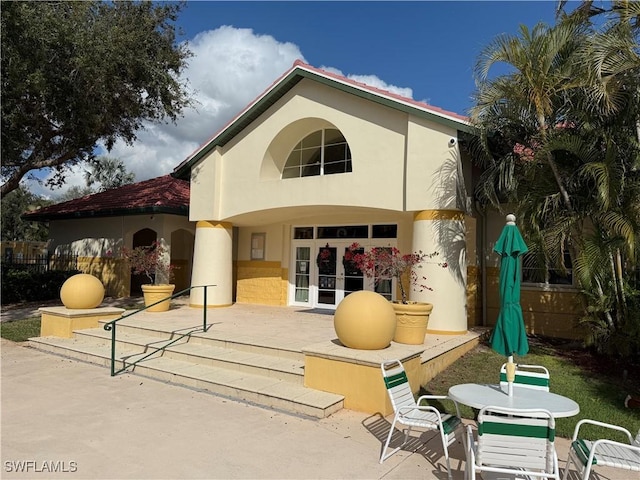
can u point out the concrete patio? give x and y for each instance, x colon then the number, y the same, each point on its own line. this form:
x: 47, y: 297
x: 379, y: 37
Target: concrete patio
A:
x: 282, y: 357
x: 64, y: 414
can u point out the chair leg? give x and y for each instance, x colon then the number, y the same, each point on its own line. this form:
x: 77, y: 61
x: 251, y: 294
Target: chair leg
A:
x: 448, y: 466
x: 565, y: 475
x: 443, y: 439
x: 407, y: 432
x: 469, y: 470
x: 469, y: 457
x: 383, y: 457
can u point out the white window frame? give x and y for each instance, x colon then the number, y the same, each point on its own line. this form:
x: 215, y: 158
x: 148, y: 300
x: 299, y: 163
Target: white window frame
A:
x: 366, y: 243
x: 322, y: 155
x: 546, y: 285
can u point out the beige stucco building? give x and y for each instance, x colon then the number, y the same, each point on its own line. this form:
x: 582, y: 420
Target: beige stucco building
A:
x: 314, y: 164
x: 93, y: 229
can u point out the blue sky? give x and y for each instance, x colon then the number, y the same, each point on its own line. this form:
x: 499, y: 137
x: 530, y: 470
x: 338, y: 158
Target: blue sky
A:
x: 424, y: 50
x: 429, y: 46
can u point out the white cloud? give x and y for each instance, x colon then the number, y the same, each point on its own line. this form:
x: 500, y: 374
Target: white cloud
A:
x: 229, y: 68
x: 373, y: 81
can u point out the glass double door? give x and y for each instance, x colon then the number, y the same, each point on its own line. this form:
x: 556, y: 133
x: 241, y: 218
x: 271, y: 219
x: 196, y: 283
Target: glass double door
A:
x: 336, y: 276
x: 323, y: 275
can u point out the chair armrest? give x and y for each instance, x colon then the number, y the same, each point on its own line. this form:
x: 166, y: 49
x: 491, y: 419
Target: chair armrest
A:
x: 433, y: 397
x: 440, y: 397
x: 613, y: 447
x: 424, y: 408
x: 625, y: 446
x: 588, y: 421
x: 535, y: 367
x: 420, y: 407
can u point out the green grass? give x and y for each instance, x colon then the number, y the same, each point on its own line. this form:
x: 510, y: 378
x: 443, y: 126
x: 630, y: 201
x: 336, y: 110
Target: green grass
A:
x: 20, y: 330
x: 599, y: 386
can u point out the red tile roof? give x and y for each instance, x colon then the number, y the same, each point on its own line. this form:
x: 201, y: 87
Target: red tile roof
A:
x: 157, y: 195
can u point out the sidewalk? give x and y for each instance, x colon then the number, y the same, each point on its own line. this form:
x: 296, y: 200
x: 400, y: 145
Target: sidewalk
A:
x: 56, y: 411
x: 70, y: 416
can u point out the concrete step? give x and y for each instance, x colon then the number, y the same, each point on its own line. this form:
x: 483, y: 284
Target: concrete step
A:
x: 187, y: 348
x: 238, y: 382
x: 248, y: 343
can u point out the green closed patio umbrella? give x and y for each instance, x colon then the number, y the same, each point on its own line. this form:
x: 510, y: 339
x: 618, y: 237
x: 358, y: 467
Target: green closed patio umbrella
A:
x: 509, y: 336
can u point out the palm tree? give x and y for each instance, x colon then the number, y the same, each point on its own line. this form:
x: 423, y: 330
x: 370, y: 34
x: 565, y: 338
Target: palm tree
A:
x: 542, y: 70
x: 557, y: 136
x: 604, y: 229
x: 608, y: 57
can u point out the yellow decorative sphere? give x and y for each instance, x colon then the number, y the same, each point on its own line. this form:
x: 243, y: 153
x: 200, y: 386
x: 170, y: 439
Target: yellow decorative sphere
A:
x: 82, y: 291
x: 365, y: 320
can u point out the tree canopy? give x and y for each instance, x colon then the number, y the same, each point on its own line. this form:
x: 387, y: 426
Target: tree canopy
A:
x: 101, y: 174
x: 14, y: 228
x: 78, y: 73
x: 558, y: 138
x: 106, y: 173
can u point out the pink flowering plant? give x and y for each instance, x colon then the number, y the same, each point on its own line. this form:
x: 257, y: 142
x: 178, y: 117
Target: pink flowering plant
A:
x: 388, y: 262
x: 149, y: 260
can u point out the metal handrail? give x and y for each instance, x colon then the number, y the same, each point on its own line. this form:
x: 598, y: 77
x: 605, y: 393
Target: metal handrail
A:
x: 111, y: 327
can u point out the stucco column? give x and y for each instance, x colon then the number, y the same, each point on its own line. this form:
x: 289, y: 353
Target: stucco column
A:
x: 442, y: 231
x: 212, y: 264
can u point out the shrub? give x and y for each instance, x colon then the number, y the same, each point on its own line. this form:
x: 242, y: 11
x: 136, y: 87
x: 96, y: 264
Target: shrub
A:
x: 23, y: 285
x: 388, y: 262
x: 151, y: 262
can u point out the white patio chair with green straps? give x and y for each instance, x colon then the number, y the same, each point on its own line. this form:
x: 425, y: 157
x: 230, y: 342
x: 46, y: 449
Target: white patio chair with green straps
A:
x: 529, y: 376
x: 586, y: 454
x: 516, y: 442
x: 411, y: 413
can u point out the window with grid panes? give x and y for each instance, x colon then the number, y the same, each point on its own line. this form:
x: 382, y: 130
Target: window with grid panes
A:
x: 324, y: 152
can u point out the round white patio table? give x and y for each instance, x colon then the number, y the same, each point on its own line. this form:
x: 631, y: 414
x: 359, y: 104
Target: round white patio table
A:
x: 482, y: 395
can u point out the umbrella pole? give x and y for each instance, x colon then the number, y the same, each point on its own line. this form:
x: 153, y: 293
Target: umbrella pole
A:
x: 511, y: 374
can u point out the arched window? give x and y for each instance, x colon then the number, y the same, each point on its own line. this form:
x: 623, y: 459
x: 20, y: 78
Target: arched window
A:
x: 321, y: 153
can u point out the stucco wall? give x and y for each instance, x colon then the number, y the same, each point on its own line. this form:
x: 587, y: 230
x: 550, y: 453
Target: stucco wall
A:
x: 432, y: 166
x: 252, y: 161
x: 553, y: 312
x: 206, y: 188
x: 91, y: 237
x: 401, y: 164
x: 263, y: 283
x: 275, y: 242
x: 550, y: 310
x: 267, y: 282
x: 474, y: 297
x: 112, y: 272
x: 97, y: 242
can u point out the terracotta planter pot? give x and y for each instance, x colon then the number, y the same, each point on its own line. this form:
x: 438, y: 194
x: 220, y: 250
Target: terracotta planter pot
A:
x: 155, y: 293
x: 411, y: 322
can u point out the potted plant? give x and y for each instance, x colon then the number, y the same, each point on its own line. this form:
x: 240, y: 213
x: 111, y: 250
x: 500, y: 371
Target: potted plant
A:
x: 383, y: 263
x: 151, y: 261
